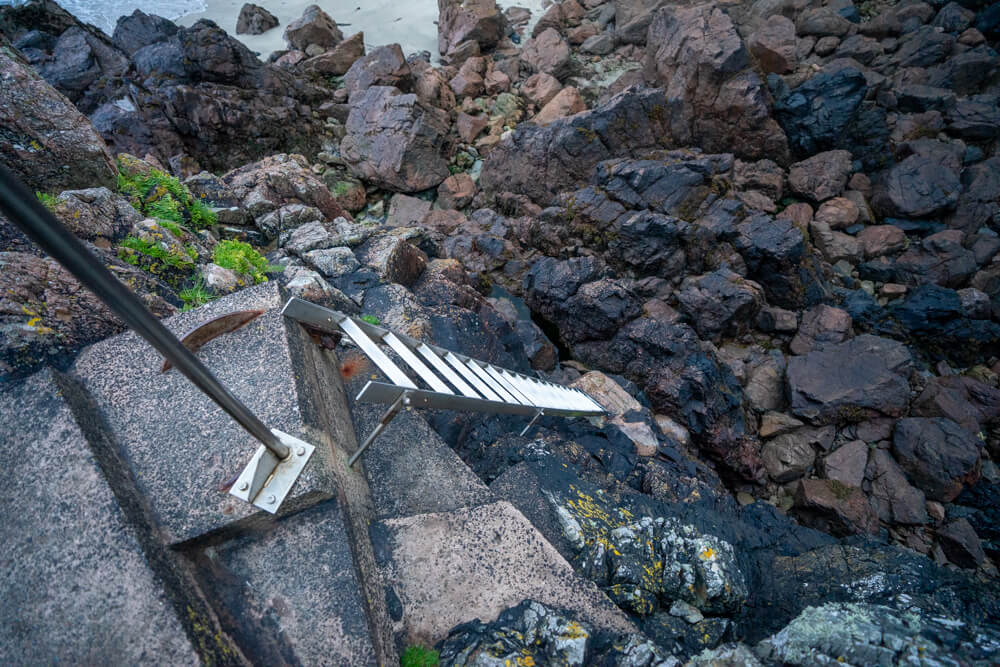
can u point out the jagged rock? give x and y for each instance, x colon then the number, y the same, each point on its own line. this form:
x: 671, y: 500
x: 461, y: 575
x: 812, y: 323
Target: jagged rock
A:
x: 383, y: 66
x: 255, y: 20
x: 314, y: 27
x: 892, y: 496
x: 773, y: 250
x: 566, y: 102
x: 548, y: 53
x: 847, y: 463
x: 647, y: 243
x: 456, y: 191
x: 542, y: 161
x: 835, y: 246
x: 765, y: 390
x: 462, y: 21
x: 540, y: 88
x: 338, y: 60
x: 332, y: 262
x: 790, y: 456
x: 537, y: 347
x: 817, y: 114
x: 600, y: 45
x: 607, y: 392
x: 310, y: 236
x: 975, y: 119
x: 821, y: 325
x: 864, y: 634
x: 137, y: 30
x: 395, y: 260
x: 940, y: 258
x: 963, y: 399
x: 406, y: 211
x: 218, y: 279
x: 202, y: 93
x: 597, y: 310
x: 821, y: 22
x: 96, y: 213
x: 865, y: 376
x: 920, y: 186
x: 938, y: 455
x: 714, y: 99
x: 838, y: 213
x: 774, y: 45
x: 469, y: 127
x: 396, y: 141
x: 632, y: 19
x: 879, y: 240
x: 45, y: 141
x: 834, y: 507
x: 935, y: 315
x: 46, y: 315
x: 721, y: 302
x: 822, y: 176
x: 267, y: 185
x: 536, y: 633
x: 960, y: 543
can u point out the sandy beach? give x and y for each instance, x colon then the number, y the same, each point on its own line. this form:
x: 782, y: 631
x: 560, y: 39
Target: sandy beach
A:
x: 412, y: 24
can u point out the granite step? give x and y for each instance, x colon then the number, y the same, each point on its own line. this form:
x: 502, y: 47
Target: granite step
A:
x: 300, y: 587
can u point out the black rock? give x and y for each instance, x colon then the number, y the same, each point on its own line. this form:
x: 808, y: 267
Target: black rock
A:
x: 938, y: 455
x: 817, y: 115
x: 139, y: 29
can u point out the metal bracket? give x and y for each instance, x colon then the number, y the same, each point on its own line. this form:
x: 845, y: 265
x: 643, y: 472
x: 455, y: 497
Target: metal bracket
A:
x: 399, y: 404
x: 534, y: 419
x: 266, y: 480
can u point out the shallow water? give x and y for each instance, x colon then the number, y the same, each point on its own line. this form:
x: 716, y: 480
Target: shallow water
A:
x: 411, y: 23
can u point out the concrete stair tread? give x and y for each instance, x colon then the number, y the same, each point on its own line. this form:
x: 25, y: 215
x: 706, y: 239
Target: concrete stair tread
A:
x: 77, y: 588
x: 449, y: 568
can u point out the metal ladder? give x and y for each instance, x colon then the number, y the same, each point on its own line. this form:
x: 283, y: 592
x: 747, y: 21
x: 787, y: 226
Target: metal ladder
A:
x: 452, y: 381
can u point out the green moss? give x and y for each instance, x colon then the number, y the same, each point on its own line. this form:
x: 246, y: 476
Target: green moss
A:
x: 418, y: 656
x: 172, y: 227
x: 159, y: 195
x: 241, y: 258
x: 169, y: 257
x: 196, y: 295
x: 340, y: 188
x: 370, y: 319
x: 48, y: 201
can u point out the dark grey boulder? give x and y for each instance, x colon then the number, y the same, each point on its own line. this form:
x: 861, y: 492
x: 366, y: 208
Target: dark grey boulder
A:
x: 939, y: 456
x: 255, y: 20
x: 396, y: 141
x: 314, y: 27
x: 865, y: 376
x: 961, y: 544
x: 817, y: 114
x: 139, y: 29
x: 720, y: 303
x: 920, y: 187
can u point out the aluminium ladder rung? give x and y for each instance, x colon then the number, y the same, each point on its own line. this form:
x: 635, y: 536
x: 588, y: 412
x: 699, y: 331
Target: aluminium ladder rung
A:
x: 426, y: 374
x: 380, y: 392
x: 368, y: 346
x: 511, y: 389
x: 490, y: 382
x: 473, y: 379
x: 446, y: 370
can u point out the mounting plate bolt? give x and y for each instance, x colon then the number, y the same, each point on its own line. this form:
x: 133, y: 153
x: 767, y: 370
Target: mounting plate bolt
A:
x: 244, y: 486
x: 301, y: 451
x: 271, y: 499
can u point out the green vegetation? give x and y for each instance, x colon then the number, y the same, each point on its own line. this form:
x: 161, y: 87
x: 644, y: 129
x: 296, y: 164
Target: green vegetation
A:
x: 241, y: 258
x: 171, y: 227
x: 340, y: 188
x: 48, y: 201
x: 142, y: 248
x: 418, y: 656
x: 196, y: 295
x: 370, y: 319
x: 158, y: 195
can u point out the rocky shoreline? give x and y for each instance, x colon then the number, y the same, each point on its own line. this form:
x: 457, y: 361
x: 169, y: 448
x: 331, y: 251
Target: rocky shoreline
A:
x: 763, y: 234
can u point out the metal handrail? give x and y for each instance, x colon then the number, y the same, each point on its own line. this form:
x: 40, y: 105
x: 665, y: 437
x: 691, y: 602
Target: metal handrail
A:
x: 23, y: 209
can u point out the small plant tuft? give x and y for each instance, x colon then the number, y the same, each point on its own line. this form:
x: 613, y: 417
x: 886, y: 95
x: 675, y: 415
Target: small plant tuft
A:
x: 48, y: 201
x: 418, y: 656
x: 370, y: 319
x: 173, y: 259
x: 161, y: 196
x: 241, y: 258
x: 196, y: 295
